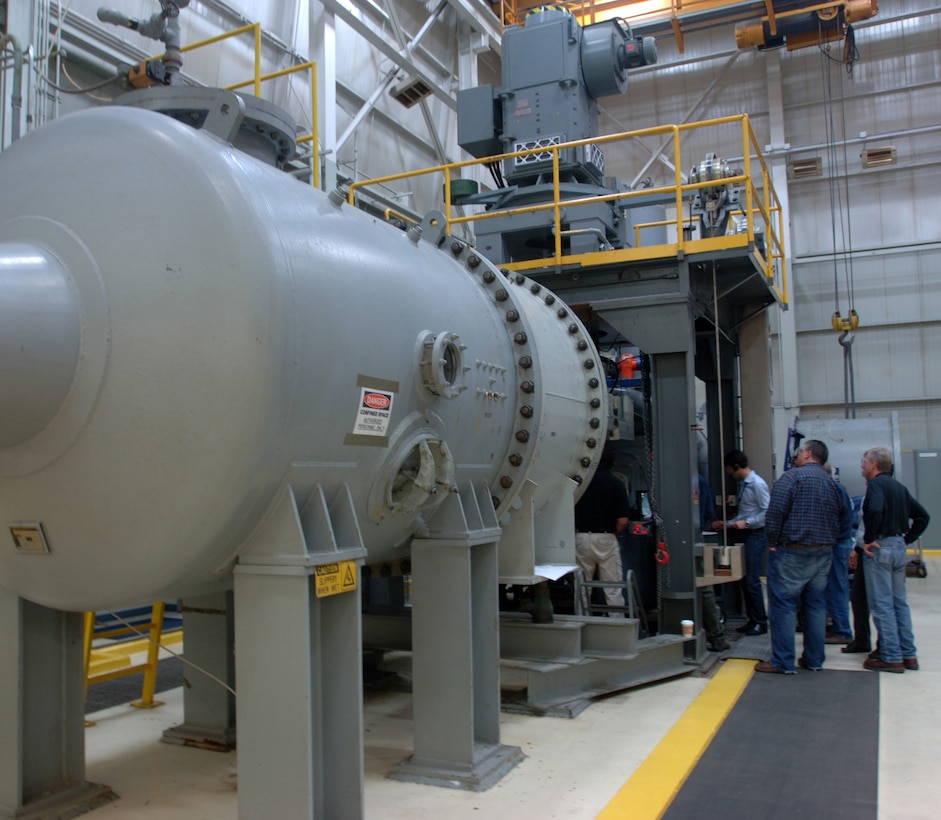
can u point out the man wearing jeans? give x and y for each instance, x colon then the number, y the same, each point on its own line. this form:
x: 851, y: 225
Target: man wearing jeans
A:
x: 806, y: 513
x: 891, y: 520
x: 750, y: 520
x: 838, y: 582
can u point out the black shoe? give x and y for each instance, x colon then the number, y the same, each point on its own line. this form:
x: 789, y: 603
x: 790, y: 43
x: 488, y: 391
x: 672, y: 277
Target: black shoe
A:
x: 802, y: 663
x: 757, y: 629
x: 856, y: 648
x: 719, y: 645
x: 746, y: 627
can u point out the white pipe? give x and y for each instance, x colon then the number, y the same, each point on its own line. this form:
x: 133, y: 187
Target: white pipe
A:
x: 16, y: 98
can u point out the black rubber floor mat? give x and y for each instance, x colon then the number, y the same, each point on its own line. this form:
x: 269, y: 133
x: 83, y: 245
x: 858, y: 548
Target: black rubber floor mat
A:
x: 803, y: 745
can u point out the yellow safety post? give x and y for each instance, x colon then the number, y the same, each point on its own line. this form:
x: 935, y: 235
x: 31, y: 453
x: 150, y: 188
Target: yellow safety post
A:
x: 150, y: 672
x: 119, y: 665
x: 89, y: 636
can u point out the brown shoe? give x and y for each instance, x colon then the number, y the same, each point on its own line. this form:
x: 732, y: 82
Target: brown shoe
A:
x: 764, y: 666
x: 911, y: 663
x: 875, y: 655
x: 836, y: 639
x: 879, y: 665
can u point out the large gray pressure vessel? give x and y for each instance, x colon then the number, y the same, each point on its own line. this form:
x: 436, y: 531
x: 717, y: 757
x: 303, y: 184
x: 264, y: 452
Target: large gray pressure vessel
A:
x: 183, y: 328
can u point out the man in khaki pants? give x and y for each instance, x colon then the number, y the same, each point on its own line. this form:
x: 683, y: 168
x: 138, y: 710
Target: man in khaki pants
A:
x: 600, y: 516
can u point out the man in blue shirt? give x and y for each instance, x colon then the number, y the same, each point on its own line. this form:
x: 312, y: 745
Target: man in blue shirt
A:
x: 806, y: 513
x: 750, y: 519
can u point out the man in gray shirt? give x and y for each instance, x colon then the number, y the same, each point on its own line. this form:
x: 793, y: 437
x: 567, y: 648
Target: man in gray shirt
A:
x: 753, y: 498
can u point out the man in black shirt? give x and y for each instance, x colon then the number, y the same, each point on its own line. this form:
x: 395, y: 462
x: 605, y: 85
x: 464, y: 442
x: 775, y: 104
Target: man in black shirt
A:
x: 891, y: 520
x: 601, y: 514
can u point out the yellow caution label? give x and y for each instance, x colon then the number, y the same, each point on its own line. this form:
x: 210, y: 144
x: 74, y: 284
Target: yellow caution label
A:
x: 332, y: 579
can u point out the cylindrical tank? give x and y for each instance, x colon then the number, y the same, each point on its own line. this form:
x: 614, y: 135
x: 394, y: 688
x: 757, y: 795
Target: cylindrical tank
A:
x: 182, y: 324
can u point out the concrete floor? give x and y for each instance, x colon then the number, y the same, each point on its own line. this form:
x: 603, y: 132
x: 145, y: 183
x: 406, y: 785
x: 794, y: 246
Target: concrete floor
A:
x: 573, y: 768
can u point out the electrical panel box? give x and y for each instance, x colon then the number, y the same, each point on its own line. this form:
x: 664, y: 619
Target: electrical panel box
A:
x: 479, y: 121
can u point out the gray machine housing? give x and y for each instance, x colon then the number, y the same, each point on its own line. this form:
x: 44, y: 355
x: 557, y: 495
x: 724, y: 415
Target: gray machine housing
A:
x: 553, y: 72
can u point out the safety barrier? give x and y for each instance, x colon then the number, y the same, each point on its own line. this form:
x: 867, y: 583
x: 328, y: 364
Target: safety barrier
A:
x: 258, y: 78
x: 109, y: 663
x: 758, y: 227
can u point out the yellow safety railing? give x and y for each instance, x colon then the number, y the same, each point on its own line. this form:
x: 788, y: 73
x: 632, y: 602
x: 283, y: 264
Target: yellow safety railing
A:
x: 258, y: 78
x: 117, y: 665
x: 762, y: 237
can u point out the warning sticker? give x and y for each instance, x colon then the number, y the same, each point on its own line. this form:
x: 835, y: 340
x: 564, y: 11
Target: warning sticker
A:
x: 375, y: 409
x: 332, y: 579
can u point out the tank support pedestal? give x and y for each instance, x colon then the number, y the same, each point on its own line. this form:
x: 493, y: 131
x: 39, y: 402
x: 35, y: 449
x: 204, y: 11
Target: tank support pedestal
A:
x: 42, y: 724
x: 299, y: 665
x: 208, y: 708
x: 455, y: 659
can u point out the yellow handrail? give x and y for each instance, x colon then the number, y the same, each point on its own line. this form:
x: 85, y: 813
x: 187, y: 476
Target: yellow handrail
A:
x: 155, y: 637
x: 258, y: 78
x: 314, y: 137
x: 759, y: 203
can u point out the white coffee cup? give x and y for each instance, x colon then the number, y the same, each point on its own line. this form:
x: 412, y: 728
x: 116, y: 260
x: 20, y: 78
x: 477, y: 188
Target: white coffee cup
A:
x: 687, y: 627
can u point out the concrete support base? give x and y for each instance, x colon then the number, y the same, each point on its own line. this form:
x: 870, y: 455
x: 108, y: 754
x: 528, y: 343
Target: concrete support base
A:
x: 486, y: 768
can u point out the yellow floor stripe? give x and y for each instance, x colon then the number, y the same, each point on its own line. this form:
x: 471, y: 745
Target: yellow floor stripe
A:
x: 651, y: 789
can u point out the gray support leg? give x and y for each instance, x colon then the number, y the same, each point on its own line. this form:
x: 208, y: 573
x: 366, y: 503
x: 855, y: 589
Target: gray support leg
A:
x: 299, y: 699
x: 279, y: 754
x: 665, y: 332
x: 455, y: 667
x: 208, y: 708
x: 299, y: 666
x: 757, y: 428
x: 675, y: 453
x: 42, y: 723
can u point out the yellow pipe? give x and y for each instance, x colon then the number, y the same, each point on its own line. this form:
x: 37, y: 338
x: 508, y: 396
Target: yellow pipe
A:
x: 659, y: 223
x: 314, y: 130
x: 677, y: 164
x: 224, y: 36
x: 257, y: 59
x: 390, y: 212
x: 557, y: 223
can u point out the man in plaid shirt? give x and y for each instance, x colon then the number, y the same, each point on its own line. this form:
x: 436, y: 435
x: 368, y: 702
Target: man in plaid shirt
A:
x: 805, y: 515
